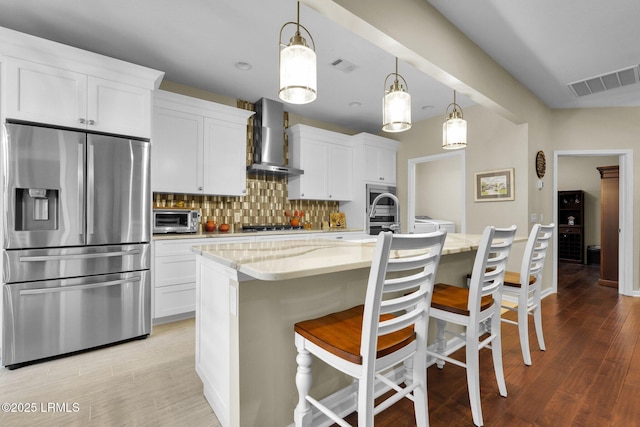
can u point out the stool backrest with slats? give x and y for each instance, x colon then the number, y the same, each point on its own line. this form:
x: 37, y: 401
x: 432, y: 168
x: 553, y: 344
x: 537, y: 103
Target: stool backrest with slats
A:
x: 412, y: 260
x: 487, y: 277
x: 535, y: 253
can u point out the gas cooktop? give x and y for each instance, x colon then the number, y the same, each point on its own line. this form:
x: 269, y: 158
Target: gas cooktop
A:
x: 271, y: 227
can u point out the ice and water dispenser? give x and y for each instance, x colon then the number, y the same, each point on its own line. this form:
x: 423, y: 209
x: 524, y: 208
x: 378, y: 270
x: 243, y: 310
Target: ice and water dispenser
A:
x: 36, y: 209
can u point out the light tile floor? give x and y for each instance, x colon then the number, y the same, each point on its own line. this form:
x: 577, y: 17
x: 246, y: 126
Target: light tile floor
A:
x: 149, y: 382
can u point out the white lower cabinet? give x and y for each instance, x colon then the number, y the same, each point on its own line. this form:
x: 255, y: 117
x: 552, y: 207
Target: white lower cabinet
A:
x: 174, y: 277
x: 174, y: 274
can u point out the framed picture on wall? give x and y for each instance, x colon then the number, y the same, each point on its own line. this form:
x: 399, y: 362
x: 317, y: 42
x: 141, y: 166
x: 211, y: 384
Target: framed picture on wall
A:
x: 494, y: 186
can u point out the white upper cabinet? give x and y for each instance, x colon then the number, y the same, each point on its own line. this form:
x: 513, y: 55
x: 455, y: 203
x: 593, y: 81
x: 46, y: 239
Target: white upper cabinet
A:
x: 43, y: 94
x: 177, y: 151
x: 51, y: 83
x: 380, y: 164
x: 340, y: 172
x: 199, y: 147
x: 225, y: 157
x: 118, y: 108
x: 327, y: 160
x: 376, y: 158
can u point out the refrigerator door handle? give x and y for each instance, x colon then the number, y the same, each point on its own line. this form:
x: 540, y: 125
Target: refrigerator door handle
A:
x: 77, y: 256
x: 81, y: 208
x: 90, y: 188
x: 133, y: 279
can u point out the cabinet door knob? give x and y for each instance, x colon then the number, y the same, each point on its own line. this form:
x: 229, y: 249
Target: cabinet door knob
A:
x: 200, y: 188
x: 301, y: 194
x: 92, y: 122
x: 81, y: 120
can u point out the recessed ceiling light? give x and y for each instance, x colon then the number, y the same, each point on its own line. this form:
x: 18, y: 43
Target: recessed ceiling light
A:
x: 427, y: 107
x: 241, y: 65
x: 355, y: 104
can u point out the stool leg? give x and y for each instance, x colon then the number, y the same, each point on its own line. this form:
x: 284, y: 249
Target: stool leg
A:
x: 302, y: 415
x: 537, y: 318
x: 420, y: 397
x: 441, y: 343
x: 473, y: 374
x: 408, y: 371
x: 523, y: 331
x: 496, y: 354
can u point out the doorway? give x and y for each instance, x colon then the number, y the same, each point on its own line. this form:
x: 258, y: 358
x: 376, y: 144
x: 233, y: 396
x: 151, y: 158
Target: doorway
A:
x: 625, y: 249
x: 418, y: 167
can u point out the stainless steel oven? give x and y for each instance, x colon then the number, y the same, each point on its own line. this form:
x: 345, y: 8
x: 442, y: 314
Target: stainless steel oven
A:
x: 385, y: 211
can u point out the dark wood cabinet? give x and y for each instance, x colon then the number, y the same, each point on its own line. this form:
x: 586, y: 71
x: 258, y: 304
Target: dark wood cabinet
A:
x: 609, y: 217
x: 571, y: 226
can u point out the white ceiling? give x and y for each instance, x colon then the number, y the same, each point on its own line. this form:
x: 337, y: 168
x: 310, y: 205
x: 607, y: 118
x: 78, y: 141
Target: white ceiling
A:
x: 544, y: 44
x: 547, y: 44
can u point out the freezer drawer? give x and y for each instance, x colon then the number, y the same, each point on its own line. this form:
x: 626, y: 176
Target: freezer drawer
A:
x: 54, y: 317
x: 29, y: 265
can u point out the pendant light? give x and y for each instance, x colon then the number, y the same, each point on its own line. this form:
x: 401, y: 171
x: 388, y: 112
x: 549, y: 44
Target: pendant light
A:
x: 454, y: 129
x: 297, y: 67
x: 396, y: 105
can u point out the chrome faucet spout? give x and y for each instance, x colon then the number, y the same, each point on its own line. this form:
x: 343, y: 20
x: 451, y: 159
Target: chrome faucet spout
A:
x: 395, y: 227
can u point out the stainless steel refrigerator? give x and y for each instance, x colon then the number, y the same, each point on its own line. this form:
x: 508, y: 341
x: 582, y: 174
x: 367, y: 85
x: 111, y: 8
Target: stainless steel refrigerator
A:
x: 76, y: 235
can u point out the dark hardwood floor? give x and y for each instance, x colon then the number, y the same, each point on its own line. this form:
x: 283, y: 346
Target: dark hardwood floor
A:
x: 588, y: 376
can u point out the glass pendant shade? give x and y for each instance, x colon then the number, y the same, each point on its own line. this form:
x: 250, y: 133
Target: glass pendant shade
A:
x: 454, y: 134
x: 297, y: 73
x: 396, y: 105
x: 396, y: 114
x: 454, y: 129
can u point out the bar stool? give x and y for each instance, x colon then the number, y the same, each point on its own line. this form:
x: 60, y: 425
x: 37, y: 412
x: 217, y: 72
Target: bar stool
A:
x: 528, y: 296
x: 470, y: 308
x: 389, y: 329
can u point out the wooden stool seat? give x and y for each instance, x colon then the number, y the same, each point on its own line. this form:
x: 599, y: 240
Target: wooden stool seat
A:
x: 455, y: 299
x: 340, y: 334
x: 512, y: 278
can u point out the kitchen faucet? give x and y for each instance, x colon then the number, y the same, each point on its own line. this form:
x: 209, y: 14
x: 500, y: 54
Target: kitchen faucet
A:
x: 395, y: 227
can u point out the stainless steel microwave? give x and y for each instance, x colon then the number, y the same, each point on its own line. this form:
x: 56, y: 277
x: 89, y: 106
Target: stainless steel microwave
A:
x: 175, y: 220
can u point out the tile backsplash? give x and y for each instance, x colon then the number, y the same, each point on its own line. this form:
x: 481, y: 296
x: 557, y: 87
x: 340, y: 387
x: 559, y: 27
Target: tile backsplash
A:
x: 265, y: 202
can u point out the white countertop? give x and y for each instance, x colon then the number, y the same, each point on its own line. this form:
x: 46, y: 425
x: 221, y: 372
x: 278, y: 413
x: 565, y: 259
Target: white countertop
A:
x: 289, y: 259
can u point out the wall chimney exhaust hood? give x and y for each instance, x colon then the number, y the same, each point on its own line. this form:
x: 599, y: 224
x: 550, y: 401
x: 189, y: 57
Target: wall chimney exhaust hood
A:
x: 268, y: 140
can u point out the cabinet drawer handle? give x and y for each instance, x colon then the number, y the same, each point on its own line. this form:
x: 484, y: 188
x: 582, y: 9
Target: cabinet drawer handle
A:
x: 92, y: 122
x: 81, y: 120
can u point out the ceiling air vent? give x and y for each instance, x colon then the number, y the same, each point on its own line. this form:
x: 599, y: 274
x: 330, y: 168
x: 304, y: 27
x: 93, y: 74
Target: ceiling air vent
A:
x: 344, y: 65
x: 607, y: 81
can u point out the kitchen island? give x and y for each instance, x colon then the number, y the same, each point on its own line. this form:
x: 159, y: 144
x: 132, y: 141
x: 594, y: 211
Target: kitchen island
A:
x: 249, y: 296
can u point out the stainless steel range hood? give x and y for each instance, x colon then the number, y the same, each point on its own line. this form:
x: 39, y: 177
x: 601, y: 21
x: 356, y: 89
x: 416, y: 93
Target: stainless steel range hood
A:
x: 268, y: 140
